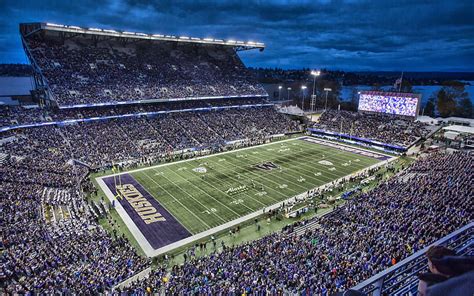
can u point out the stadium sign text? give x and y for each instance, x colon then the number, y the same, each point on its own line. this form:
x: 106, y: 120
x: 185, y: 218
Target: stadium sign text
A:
x: 144, y: 209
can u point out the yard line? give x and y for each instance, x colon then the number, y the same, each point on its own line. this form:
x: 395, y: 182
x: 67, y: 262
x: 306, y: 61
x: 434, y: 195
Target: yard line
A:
x: 291, y: 175
x: 208, y: 193
x: 262, y: 177
x: 302, y: 165
x: 207, y: 225
x: 192, y: 197
x: 330, y: 180
x: 222, y: 172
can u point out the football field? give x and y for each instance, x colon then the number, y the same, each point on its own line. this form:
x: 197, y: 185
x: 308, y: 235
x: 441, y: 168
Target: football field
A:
x: 202, y: 193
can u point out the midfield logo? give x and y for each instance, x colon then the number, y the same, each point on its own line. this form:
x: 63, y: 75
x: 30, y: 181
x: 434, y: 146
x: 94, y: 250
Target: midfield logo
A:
x: 266, y: 166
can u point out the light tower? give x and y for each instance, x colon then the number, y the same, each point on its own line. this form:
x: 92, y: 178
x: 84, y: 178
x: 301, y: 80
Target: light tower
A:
x: 313, y: 96
x: 303, y: 88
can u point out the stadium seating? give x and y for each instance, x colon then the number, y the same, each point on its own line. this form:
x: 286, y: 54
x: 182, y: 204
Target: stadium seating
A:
x: 78, y: 72
x: 385, y: 128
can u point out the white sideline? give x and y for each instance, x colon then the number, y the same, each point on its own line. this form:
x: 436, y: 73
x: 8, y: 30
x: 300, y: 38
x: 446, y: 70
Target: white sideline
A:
x: 148, y: 249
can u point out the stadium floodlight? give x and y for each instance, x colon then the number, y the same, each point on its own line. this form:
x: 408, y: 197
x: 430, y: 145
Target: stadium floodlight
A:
x: 55, y: 25
x: 279, y: 92
x: 280, y: 87
x: 303, y: 87
x: 195, y: 38
x: 183, y: 37
x: 208, y: 39
x: 128, y: 33
x: 218, y: 40
x: 110, y: 31
x: 231, y: 41
x: 158, y: 35
x: 315, y: 73
x: 95, y: 29
x: 141, y: 34
x: 250, y: 43
x: 75, y: 27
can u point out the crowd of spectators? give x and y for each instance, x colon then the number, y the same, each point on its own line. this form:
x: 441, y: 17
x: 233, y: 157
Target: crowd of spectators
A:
x: 385, y: 128
x: 77, y: 255
x: 18, y: 115
x: 72, y: 255
x: 79, y: 72
x: 363, y: 237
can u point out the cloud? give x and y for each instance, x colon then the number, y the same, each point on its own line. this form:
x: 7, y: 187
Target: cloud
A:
x: 343, y: 34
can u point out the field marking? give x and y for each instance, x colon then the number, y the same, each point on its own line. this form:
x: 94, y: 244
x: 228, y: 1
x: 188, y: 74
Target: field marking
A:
x: 202, y: 191
x: 177, y: 200
x: 222, y: 191
x: 276, y: 175
x: 344, y: 157
x: 127, y: 220
x: 255, y: 214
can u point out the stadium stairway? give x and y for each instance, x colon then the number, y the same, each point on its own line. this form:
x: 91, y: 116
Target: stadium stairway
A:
x: 311, y: 225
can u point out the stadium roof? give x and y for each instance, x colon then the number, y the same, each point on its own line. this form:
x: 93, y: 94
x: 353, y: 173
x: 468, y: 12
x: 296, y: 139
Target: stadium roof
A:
x: 28, y: 29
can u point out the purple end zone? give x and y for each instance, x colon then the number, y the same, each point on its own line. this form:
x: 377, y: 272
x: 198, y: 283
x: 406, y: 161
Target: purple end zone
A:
x: 158, y: 233
x: 348, y: 149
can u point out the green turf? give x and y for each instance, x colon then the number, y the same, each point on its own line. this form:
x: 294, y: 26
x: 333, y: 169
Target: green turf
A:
x: 200, y: 201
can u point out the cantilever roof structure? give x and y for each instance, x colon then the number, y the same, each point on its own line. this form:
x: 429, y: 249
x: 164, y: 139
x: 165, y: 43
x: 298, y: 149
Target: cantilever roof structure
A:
x: 27, y: 29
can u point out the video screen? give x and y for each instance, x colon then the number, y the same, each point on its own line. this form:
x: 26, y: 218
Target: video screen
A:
x: 405, y: 104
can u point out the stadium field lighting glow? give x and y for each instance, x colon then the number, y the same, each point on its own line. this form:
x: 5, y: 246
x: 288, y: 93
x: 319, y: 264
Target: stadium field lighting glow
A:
x: 55, y: 25
x: 241, y: 44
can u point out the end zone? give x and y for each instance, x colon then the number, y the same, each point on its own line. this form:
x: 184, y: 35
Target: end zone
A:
x: 150, y: 223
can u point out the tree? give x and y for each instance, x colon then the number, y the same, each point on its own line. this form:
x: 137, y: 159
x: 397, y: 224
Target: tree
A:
x: 465, y: 108
x: 354, y: 99
x: 429, y: 109
x: 449, y: 97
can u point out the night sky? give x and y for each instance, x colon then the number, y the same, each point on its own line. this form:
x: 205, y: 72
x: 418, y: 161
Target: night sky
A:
x: 346, y: 35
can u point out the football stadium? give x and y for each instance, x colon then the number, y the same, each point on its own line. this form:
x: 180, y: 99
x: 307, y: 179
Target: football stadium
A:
x: 155, y: 164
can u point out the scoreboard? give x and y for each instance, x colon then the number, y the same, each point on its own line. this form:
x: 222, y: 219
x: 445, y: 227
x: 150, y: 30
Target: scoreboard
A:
x: 406, y: 104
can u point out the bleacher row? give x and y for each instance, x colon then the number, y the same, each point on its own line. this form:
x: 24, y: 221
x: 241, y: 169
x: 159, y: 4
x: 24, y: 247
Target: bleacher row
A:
x: 385, y: 128
x: 79, y: 71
